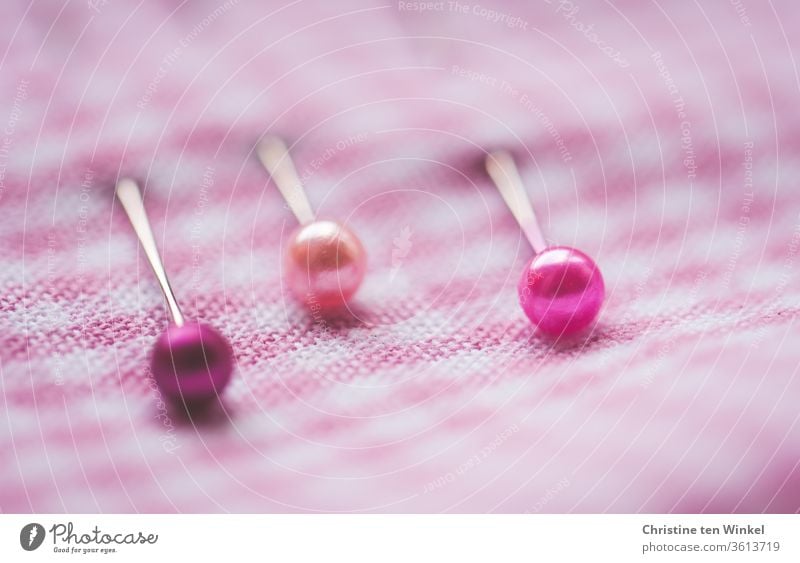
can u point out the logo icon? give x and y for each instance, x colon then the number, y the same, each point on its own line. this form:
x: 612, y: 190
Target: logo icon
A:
x: 31, y: 536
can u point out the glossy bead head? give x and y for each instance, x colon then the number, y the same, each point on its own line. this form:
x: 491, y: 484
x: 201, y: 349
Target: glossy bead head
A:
x: 561, y: 291
x: 192, y: 363
x: 325, y: 263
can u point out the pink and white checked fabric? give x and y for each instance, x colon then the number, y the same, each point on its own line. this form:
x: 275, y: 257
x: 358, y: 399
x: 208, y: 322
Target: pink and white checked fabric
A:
x: 661, y: 138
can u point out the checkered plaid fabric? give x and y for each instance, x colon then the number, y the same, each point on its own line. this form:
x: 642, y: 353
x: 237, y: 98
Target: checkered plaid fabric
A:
x: 659, y: 138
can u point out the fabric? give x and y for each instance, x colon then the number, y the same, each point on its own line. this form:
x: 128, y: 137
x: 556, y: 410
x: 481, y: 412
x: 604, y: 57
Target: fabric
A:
x: 659, y: 138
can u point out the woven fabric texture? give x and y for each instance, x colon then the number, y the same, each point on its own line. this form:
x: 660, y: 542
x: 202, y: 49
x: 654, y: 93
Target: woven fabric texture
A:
x: 660, y: 138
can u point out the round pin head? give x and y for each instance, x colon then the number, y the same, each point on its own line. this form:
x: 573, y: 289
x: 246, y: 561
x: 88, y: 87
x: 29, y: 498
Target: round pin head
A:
x: 325, y: 263
x: 561, y: 290
x: 192, y: 363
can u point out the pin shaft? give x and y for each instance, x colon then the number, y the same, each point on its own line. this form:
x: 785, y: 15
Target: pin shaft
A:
x: 130, y: 197
x: 274, y: 155
x: 503, y: 171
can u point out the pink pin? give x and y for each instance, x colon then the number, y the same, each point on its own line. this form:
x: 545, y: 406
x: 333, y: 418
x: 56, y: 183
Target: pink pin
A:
x: 325, y: 261
x: 561, y: 289
x: 191, y: 362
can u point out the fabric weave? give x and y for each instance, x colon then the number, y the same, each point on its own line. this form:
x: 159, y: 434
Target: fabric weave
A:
x: 659, y: 139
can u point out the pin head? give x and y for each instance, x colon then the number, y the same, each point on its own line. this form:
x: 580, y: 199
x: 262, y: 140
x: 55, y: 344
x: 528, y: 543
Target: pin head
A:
x: 192, y: 363
x: 325, y: 263
x: 561, y: 290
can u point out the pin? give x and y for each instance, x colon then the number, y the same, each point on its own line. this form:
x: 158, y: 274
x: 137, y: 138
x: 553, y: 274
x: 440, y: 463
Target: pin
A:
x: 325, y: 261
x: 191, y: 362
x: 561, y: 289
